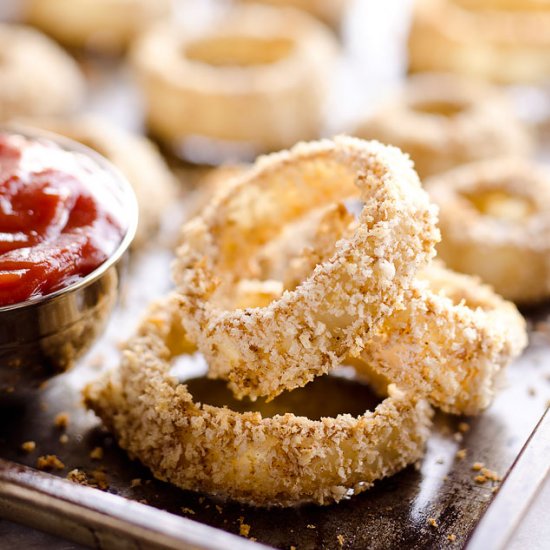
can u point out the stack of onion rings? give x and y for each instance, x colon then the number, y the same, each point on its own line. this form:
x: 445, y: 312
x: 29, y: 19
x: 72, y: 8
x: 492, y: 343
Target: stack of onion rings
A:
x: 278, y: 283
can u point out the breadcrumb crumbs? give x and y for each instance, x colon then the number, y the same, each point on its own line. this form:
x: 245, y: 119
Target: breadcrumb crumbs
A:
x: 463, y: 427
x: 433, y: 522
x: 480, y: 479
x: 96, y: 453
x: 219, y: 509
x: 49, y: 462
x: 458, y: 437
x: 188, y: 511
x: 136, y: 482
x: 310, y: 526
x: 244, y: 528
x: 78, y: 476
x: 461, y: 454
x: 476, y: 466
x: 28, y: 446
x: 451, y: 537
x: 61, y: 420
x: 340, y: 539
x: 63, y: 438
x: 491, y: 474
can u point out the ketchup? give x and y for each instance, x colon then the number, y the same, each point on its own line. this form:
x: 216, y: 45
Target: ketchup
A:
x: 59, y: 219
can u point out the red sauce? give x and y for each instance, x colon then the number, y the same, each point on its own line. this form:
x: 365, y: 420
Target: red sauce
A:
x: 58, y: 219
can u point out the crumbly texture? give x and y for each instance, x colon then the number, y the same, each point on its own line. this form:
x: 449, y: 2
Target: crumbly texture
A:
x: 508, y: 248
x: 103, y: 25
x: 451, y: 342
x: 37, y: 78
x: 260, y: 106
x: 49, y: 462
x: 282, y: 460
x: 443, y: 121
x: 501, y: 44
x: 137, y: 158
x: 309, y: 330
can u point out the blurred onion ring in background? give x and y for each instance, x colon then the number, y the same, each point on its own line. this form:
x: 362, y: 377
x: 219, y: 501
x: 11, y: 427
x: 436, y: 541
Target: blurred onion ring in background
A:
x: 503, y: 41
x: 495, y: 223
x: 308, y: 330
x: 37, y: 78
x: 258, y: 78
x: 282, y: 460
x: 103, y: 25
x: 443, y: 120
x: 330, y: 11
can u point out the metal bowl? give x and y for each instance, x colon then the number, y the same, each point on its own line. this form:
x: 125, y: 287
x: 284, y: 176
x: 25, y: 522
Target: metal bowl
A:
x: 44, y: 336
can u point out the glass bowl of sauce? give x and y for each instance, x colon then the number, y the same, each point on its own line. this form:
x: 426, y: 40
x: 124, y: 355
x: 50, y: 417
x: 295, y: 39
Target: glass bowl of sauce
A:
x: 67, y: 218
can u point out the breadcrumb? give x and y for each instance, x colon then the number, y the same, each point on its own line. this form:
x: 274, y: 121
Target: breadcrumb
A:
x: 451, y: 537
x: 463, y: 427
x: 63, y: 438
x: 49, y: 462
x: 476, y: 466
x: 96, y: 453
x: 61, y: 420
x: 188, y: 511
x: 461, y: 454
x: 433, y: 522
x: 28, y: 446
x: 340, y: 539
x: 136, y: 482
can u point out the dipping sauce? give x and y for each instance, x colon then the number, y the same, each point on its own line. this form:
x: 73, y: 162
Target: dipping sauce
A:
x: 59, y: 217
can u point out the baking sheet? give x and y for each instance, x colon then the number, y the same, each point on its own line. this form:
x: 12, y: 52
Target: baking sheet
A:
x: 435, y: 505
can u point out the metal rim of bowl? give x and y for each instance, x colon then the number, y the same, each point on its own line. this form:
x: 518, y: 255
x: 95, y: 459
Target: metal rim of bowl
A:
x: 130, y: 208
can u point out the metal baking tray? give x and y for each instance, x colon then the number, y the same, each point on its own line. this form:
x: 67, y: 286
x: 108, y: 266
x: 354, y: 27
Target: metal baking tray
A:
x: 436, y: 504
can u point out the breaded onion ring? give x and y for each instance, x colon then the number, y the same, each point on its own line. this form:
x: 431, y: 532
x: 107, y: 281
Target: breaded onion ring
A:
x: 495, y: 223
x: 310, y: 329
x: 135, y: 156
x: 330, y: 11
x: 282, y: 460
x: 103, y: 25
x: 36, y: 76
x: 451, y: 341
x: 503, y: 41
x: 450, y: 344
x: 256, y: 79
x: 443, y: 120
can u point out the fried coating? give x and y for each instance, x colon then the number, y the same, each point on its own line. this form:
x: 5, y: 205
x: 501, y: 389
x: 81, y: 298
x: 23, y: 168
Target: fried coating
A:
x: 310, y: 329
x: 278, y: 461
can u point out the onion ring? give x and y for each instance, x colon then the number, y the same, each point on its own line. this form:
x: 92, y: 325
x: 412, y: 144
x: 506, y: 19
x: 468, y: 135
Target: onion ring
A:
x: 103, y: 25
x: 282, y: 460
x: 503, y: 43
x: 495, y: 222
x: 256, y: 80
x: 37, y: 78
x: 450, y: 343
x: 309, y: 330
x: 443, y: 121
x: 330, y: 11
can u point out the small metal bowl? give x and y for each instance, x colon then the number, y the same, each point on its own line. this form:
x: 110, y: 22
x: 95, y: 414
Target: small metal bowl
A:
x: 44, y: 336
